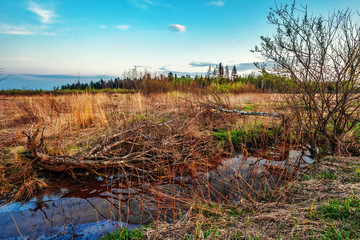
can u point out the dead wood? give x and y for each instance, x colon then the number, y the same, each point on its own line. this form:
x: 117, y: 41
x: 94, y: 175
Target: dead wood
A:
x: 222, y: 104
x: 239, y: 112
x: 144, y: 149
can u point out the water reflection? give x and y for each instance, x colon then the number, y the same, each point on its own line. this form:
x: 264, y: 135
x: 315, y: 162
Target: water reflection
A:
x: 94, y: 206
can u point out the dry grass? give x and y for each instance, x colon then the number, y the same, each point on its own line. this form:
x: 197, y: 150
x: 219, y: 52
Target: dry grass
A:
x: 75, y: 123
x: 288, y: 217
x: 169, y: 131
x: 29, y: 187
x: 166, y: 131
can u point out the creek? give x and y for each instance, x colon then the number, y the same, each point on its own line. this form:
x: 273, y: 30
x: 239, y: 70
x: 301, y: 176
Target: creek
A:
x: 89, y: 207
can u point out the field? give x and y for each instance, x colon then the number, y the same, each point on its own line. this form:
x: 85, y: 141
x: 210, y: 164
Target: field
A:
x: 172, y: 149
x: 73, y: 124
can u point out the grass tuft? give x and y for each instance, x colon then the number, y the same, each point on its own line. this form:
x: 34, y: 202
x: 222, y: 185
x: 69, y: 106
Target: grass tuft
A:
x: 125, y: 234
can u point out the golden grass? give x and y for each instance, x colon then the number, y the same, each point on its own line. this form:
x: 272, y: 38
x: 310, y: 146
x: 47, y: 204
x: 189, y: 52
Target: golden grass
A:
x: 80, y: 117
x: 75, y: 123
x: 87, y: 110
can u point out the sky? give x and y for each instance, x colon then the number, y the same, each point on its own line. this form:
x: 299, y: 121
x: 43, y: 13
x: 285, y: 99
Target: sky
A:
x: 108, y: 37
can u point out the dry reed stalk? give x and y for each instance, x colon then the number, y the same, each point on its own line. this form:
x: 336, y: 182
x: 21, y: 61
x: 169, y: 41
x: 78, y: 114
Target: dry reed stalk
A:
x: 17, y: 227
x: 28, y: 188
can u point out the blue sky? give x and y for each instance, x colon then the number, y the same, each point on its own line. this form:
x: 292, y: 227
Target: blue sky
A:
x: 97, y: 37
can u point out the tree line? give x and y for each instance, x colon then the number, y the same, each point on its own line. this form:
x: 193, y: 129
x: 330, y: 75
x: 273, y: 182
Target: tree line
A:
x: 135, y: 79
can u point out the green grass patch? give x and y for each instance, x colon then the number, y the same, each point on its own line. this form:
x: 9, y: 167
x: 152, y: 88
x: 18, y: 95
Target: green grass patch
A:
x: 248, y: 107
x: 357, y: 174
x: 343, y: 217
x: 125, y: 234
x: 326, y: 174
x: 252, y: 135
x: 356, y: 131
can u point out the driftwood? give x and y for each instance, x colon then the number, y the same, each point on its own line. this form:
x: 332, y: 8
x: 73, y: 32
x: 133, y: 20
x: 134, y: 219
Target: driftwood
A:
x: 148, y: 148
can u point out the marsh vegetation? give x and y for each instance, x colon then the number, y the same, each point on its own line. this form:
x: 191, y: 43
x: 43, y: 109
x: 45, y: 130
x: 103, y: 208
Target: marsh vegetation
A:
x: 215, y: 157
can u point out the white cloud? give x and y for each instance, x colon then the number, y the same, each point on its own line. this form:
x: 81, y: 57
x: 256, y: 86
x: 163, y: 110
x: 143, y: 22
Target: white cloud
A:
x: 23, y: 30
x: 15, y: 30
x: 145, y: 4
x: 45, y: 15
x: 177, y: 28
x: 140, y: 3
x: 218, y: 3
x: 123, y: 27
x: 103, y: 26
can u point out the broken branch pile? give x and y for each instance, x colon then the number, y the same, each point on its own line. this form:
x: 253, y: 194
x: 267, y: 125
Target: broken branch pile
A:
x: 146, y: 148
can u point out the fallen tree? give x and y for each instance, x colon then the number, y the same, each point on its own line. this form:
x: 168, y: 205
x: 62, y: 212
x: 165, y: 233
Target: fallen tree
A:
x: 144, y: 149
x: 244, y: 113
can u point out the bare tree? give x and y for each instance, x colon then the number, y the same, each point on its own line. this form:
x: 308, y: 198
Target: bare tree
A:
x: 322, y: 58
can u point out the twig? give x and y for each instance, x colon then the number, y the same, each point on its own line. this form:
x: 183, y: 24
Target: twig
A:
x: 17, y: 227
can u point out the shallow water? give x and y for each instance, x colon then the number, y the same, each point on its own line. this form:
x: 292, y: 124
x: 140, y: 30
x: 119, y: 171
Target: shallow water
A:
x: 61, y: 213
x: 93, y: 207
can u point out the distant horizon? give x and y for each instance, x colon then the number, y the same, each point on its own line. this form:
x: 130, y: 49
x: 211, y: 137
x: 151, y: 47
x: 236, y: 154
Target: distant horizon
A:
x: 52, y: 37
x: 30, y: 81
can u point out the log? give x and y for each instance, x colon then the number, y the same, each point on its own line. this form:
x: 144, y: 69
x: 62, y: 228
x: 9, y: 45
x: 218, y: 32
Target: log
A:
x: 250, y: 113
x: 146, y: 149
x: 221, y: 109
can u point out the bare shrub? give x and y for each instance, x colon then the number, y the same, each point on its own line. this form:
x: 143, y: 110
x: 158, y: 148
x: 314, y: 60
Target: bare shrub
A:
x: 322, y: 58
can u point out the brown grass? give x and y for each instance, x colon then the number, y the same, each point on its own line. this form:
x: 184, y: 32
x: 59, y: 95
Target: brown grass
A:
x: 169, y: 131
x: 75, y: 123
x: 287, y: 217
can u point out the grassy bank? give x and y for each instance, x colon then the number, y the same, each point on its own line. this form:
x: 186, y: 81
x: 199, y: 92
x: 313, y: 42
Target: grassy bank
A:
x: 322, y: 205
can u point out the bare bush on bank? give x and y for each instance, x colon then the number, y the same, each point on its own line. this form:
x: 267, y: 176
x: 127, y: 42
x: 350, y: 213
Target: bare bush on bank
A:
x: 322, y: 57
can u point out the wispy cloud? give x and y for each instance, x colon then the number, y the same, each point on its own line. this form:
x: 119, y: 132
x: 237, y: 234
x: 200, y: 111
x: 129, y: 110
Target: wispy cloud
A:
x: 15, y: 30
x: 239, y: 66
x: 141, y: 3
x: 103, y: 27
x: 142, y: 66
x: 123, y: 27
x: 45, y: 15
x: 202, y: 64
x: 245, y: 66
x: 218, y: 3
x: 23, y: 30
x: 177, y: 28
x: 145, y: 4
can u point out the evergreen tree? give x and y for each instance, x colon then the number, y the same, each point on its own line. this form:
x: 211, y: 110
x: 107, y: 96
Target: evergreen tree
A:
x: 170, y: 76
x: 221, y: 71
x: 234, y: 74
